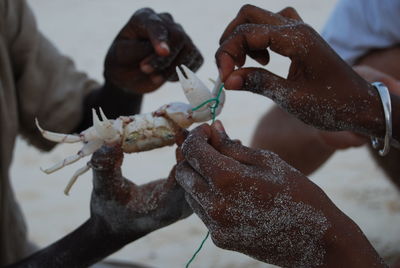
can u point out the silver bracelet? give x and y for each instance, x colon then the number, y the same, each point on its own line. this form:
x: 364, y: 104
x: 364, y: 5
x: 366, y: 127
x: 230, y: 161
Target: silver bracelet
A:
x: 387, y: 109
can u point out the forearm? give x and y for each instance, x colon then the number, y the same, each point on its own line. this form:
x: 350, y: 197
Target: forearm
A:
x: 113, y: 101
x: 90, y: 243
x: 347, y: 246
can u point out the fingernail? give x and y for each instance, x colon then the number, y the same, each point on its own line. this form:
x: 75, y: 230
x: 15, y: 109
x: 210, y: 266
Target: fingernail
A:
x: 147, y: 68
x: 158, y: 79
x: 234, y: 82
x: 165, y: 46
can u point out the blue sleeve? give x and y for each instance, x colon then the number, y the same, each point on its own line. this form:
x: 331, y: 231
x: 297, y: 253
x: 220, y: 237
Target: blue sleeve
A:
x: 357, y: 26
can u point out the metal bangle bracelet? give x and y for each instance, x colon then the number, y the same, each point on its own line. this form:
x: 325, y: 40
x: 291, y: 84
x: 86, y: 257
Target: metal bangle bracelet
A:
x: 387, y: 109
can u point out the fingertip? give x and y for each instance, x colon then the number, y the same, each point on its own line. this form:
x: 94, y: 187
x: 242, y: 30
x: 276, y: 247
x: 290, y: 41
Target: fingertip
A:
x: 162, y: 49
x: 218, y: 126
x: 157, y: 79
x: 146, y: 68
x: 226, y: 65
x: 234, y: 82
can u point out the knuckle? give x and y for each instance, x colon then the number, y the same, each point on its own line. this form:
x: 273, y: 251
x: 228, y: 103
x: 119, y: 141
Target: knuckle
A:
x: 247, y: 8
x: 219, y: 239
x: 144, y: 12
x: 166, y: 16
x: 289, y: 10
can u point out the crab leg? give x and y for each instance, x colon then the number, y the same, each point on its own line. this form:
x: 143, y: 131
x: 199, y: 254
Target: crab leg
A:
x: 87, y: 149
x: 76, y: 175
x: 58, y: 137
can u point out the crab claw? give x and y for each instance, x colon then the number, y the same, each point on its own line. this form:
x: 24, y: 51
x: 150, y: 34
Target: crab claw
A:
x: 195, y: 90
x: 104, y: 129
x: 197, y: 94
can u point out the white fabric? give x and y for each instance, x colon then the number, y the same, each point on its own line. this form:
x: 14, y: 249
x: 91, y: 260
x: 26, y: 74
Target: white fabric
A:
x: 357, y: 26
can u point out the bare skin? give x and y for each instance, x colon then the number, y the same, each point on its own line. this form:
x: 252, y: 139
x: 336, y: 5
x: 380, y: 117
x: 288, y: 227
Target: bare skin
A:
x: 121, y: 212
x: 142, y: 57
x: 255, y: 203
x: 343, y: 101
x: 307, y: 148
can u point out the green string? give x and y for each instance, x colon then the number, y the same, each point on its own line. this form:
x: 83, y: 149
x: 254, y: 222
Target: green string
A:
x: 198, y: 250
x: 214, y: 107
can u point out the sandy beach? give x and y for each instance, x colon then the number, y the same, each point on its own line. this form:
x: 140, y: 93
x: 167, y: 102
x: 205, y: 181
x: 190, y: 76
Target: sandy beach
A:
x: 83, y: 29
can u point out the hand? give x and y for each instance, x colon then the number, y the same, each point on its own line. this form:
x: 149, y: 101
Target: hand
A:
x: 255, y: 203
x: 146, y: 51
x: 347, y: 139
x: 321, y: 89
x: 130, y: 209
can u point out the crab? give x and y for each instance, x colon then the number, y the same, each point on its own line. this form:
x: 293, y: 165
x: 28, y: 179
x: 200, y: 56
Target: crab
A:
x: 143, y: 132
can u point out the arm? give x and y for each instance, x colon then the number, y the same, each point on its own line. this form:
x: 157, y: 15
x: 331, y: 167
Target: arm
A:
x: 50, y: 88
x: 121, y: 212
x: 255, y: 203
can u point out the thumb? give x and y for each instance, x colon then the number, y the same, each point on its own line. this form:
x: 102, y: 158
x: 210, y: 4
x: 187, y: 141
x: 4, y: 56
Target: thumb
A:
x: 259, y: 81
x: 106, y: 165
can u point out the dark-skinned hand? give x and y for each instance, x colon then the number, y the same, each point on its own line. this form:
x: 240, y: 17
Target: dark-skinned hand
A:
x: 127, y: 208
x: 146, y: 51
x: 320, y: 89
x: 255, y: 203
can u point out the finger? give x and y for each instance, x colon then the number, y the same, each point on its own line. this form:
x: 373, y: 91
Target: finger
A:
x: 249, y: 156
x: 261, y: 56
x: 148, y: 24
x: 289, y: 41
x: 130, y: 78
x: 179, y: 155
x: 129, y: 52
x: 260, y: 81
x: 192, y: 182
x: 216, y: 168
x: 106, y: 166
x: 181, y: 136
x: 107, y: 158
x: 252, y: 14
x: 190, y: 57
x: 159, y: 63
x: 198, y: 209
x: 167, y: 17
x: 291, y: 13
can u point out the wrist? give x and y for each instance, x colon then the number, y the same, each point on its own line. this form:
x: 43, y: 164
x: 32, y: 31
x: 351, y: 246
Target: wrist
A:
x: 371, y: 118
x: 347, y: 246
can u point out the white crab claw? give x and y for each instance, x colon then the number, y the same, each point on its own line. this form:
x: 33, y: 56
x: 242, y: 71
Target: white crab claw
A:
x: 195, y: 90
x: 104, y: 129
x: 104, y: 117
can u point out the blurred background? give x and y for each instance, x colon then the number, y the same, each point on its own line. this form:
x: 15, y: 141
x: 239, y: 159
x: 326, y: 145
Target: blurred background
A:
x: 84, y: 29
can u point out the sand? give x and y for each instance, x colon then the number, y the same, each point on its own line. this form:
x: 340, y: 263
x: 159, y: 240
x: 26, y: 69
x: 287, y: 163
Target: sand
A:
x: 84, y: 30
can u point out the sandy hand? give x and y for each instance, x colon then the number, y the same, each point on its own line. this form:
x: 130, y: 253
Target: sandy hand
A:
x: 255, y: 203
x: 321, y: 89
x: 146, y: 51
x: 128, y: 208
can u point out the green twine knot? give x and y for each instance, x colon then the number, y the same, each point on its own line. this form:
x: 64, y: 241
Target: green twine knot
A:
x: 214, y: 106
